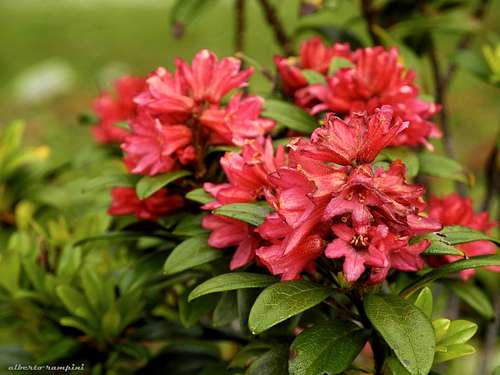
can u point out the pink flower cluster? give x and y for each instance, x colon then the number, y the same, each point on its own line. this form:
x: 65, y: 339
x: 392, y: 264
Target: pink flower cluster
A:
x: 328, y: 199
x: 374, y: 78
x: 174, y: 117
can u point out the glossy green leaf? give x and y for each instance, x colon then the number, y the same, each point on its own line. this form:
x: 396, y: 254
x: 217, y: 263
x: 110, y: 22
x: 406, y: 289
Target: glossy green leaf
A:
x: 191, y: 312
x: 283, y: 300
x: 250, y: 213
x: 406, y: 330
x: 424, y: 301
x: 327, y: 348
x: 392, y: 366
x: 149, y: 185
x: 453, y: 352
x: 338, y: 63
x: 232, y: 281
x: 289, y: 115
x: 479, y: 261
x: 439, y: 245
x: 458, y: 332
x: 190, y: 226
x: 457, y: 234
x: 441, y: 166
x: 226, y: 310
x: 312, y: 77
x: 199, y: 195
x: 473, y: 296
x: 249, y: 354
x: 190, y: 253
x: 273, y: 362
x: 406, y: 155
x: 441, y: 326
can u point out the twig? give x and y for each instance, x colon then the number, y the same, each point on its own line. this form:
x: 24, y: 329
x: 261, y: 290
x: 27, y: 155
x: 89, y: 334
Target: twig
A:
x: 239, y: 10
x: 369, y: 14
x: 279, y: 31
x: 492, y: 178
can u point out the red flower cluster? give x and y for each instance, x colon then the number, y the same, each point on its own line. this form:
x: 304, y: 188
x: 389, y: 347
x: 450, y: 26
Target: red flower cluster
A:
x: 126, y: 202
x: 174, y: 117
x: 329, y: 199
x: 457, y: 210
x: 182, y: 113
x: 247, y: 173
x: 112, y: 110
x: 375, y: 78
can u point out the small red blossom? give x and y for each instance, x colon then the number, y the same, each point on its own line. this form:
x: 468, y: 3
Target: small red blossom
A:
x: 314, y: 55
x: 126, y: 202
x: 238, y: 122
x: 112, y: 110
x: 247, y: 179
x: 154, y: 147
x: 181, y: 114
x: 358, y: 140
x: 376, y: 79
x: 457, y: 210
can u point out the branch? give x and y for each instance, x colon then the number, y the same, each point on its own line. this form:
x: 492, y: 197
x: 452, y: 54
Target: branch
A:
x: 492, y: 178
x: 279, y: 31
x: 239, y: 10
x: 369, y: 14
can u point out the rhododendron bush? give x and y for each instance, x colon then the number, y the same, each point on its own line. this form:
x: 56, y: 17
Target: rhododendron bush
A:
x: 297, y: 230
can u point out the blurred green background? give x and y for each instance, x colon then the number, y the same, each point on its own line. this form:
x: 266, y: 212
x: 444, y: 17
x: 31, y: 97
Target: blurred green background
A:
x: 58, y: 54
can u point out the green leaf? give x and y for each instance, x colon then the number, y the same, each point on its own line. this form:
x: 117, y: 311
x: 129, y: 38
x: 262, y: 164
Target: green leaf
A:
x: 283, y: 300
x: 246, y: 299
x: 392, y: 366
x: 439, y: 245
x: 190, y: 226
x: 273, y: 362
x: 249, y: 354
x: 75, y: 302
x: 149, y: 185
x: 76, y: 323
x: 338, y: 63
x: 289, y: 115
x: 191, y: 312
x: 10, y: 268
x: 61, y: 350
x: 424, y: 301
x: 313, y: 77
x: 441, y: 326
x: 406, y: 330
x: 92, y: 287
x: 406, y: 155
x: 457, y: 234
x: 183, y: 12
x: 232, y: 281
x: 250, y: 213
x: 69, y: 263
x: 111, y: 322
x: 453, y: 352
x: 226, y: 310
x: 328, y: 348
x: 441, y: 166
x: 458, y: 332
x: 199, y: 195
x: 479, y: 261
x: 473, y: 296
x: 190, y: 253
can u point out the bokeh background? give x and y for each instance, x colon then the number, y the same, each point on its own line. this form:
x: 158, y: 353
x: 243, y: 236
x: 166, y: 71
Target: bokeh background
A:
x: 57, y: 55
